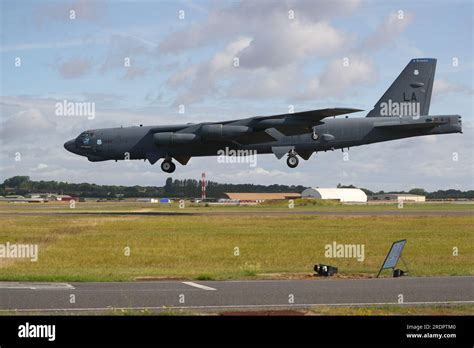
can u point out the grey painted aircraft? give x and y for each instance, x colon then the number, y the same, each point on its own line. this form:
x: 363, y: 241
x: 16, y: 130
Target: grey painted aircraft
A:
x: 402, y: 112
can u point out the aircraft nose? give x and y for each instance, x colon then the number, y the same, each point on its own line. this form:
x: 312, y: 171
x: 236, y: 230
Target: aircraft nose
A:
x: 69, y: 145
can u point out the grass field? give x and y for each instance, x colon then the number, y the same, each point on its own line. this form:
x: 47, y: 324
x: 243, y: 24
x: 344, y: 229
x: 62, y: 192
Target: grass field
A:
x: 439, y: 310
x: 299, y: 204
x: 394, y: 310
x: 92, y: 248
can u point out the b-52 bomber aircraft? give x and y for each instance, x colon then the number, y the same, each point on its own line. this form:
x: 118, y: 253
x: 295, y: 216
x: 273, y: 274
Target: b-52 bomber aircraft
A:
x: 402, y: 112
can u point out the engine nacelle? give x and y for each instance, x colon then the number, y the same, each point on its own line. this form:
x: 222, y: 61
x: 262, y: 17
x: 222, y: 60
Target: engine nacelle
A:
x: 219, y: 131
x: 327, y: 137
x: 172, y: 138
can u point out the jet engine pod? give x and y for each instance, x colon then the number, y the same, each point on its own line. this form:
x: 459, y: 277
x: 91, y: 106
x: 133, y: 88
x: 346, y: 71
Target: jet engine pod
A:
x: 219, y: 131
x: 171, y: 138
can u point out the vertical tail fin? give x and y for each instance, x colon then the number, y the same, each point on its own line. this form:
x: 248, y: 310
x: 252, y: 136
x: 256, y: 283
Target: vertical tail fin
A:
x: 410, y: 93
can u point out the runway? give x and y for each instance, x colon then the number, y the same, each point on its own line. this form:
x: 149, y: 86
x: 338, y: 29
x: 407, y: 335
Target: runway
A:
x: 399, y: 212
x: 233, y: 295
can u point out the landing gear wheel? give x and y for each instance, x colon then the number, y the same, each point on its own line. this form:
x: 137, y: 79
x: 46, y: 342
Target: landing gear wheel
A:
x: 168, y: 166
x: 292, y: 161
x: 315, y: 136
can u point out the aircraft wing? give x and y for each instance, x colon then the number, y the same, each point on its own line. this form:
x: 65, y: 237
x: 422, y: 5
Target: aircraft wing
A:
x: 248, y: 130
x: 314, y: 115
x: 288, y: 124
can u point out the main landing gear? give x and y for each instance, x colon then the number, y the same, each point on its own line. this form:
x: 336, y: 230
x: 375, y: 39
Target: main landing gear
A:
x: 292, y: 160
x: 168, y: 166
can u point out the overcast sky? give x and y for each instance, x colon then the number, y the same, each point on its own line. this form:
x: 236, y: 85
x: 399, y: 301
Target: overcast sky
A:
x: 47, y: 56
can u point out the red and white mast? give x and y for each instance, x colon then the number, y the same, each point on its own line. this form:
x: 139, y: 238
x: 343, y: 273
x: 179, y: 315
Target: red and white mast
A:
x: 203, y: 186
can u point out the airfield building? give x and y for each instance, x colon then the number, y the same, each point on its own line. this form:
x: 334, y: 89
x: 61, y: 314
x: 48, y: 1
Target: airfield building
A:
x: 63, y: 198
x: 147, y: 200
x: 345, y: 195
x: 21, y: 199
x: 251, y: 197
x: 397, y: 197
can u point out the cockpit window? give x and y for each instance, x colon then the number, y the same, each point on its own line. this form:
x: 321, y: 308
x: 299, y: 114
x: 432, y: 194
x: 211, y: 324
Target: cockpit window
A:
x: 84, y: 139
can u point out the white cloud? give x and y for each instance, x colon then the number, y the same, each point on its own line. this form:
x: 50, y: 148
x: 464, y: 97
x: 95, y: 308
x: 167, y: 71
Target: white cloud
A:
x: 262, y: 83
x: 290, y: 41
x: 388, y: 31
x: 337, y: 78
x: 272, y: 64
x: 24, y: 125
x: 442, y: 87
x: 205, y: 76
x: 41, y: 166
x: 255, y: 18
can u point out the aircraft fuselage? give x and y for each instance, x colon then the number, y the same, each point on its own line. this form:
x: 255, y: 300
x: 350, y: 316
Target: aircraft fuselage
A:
x: 334, y: 133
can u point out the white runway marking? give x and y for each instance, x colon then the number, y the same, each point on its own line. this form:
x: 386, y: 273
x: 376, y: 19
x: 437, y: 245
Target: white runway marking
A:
x: 36, y: 286
x: 196, y: 285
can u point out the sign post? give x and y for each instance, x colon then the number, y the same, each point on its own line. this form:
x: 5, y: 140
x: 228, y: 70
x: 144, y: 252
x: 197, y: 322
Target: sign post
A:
x: 393, y: 255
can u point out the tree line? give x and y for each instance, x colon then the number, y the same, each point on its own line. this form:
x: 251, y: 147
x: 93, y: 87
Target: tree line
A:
x: 189, y: 188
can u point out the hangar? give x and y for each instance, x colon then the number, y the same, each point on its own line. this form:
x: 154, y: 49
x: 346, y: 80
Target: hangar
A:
x: 352, y: 195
